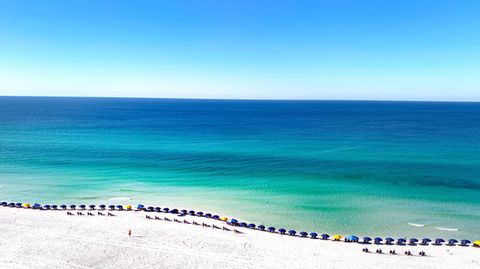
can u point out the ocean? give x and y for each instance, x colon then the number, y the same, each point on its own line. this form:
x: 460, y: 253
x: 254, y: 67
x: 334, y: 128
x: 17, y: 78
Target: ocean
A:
x: 348, y: 167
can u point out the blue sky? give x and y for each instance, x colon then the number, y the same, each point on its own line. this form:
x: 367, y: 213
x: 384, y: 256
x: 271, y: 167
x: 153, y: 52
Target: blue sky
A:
x: 390, y: 50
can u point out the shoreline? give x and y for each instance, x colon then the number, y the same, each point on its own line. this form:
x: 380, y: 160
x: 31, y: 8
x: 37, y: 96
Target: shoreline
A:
x: 51, y: 238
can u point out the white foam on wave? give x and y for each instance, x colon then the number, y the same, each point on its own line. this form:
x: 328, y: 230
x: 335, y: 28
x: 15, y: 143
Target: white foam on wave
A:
x: 120, y: 198
x: 416, y: 224
x: 446, y: 229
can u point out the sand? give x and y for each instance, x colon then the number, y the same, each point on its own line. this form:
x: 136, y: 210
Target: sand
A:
x: 52, y: 239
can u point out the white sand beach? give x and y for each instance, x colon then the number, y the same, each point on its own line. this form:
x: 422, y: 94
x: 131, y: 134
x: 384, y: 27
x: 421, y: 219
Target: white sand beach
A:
x: 52, y: 239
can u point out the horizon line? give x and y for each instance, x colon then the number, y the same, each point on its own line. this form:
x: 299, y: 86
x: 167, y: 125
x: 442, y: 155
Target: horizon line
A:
x: 245, y: 99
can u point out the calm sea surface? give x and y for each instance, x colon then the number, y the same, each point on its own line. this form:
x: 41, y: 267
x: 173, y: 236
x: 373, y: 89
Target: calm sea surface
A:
x: 368, y: 168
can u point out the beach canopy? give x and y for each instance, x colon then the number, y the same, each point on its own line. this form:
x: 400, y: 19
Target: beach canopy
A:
x: 3, y: 203
x: 223, y: 218
x: 140, y: 207
x: 63, y: 207
x: 215, y: 217
x: 413, y: 240
x: 261, y: 227
x: 377, y: 239
x: 73, y: 206
x: 476, y: 243
x: 18, y: 204
x: 282, y: 230
x: 367, y: 239
x: 26, y: 205
x: 112, y: 207
x: 271, y: 229
x: 191, y: 212
x: 325, y: 236
x: 200, y: 213
x: 82, y: 206
x: 166, y: 209
x: 465, y: 242
x: 401, y: 240
x: 251, y: 226
x: 208, y: 215
x: 313, y: 235
x: 439, y: 241
x: 242, y: 224
x: 128, y: 207
x: 46, y: 206
x: 452, y: 241
x: 92, y: 206
x: 36, y: 205
x: 174, y: 211
x: 119, y: 207
x: 351, y: 238
x: 303, y: 234
x: 337, y: 237
x: 102, y: 206
x: 389, y: 240
x: 184, y: 211
x: 233, y: 221
x: 292, y: 232
x: 54, y: 206
x: 157, y: 209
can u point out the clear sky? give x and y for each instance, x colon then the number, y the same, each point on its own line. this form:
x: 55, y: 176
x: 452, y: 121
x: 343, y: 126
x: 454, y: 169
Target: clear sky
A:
x: 337, y: 49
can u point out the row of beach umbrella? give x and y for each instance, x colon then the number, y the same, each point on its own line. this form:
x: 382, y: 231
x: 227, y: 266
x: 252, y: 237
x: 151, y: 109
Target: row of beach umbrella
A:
x: 234, y: 222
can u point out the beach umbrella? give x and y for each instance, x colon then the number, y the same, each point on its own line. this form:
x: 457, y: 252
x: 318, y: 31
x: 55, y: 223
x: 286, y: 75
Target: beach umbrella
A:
x: 200, y: 213
x: 271, y: 229
x: 464, y: 242
x: 351, y: 238
x: 377, y: 240
x: 119, y: 207
x: 425, y: 241
x: 401, y: 241
x: 36, y: 206
x: 184, y: 211
x: 63, y: 207
x: 233, y: 221
x: 313, y: 235
x: 261, y: 227
x: 166, y: 209
x: 26, y: 205
x: 3, y: 203
x: 216, y: 217
x: 54, y: 207
x: 282, y: 231
x: 156, y: 209
x: 303, y: 234
x: 242, y: 224
x: 208, y: 215
x: 452, y: 242
x: 140, y: 207
x: 102, y: 207
x: 191, y: 212
x: 251, y: 226
x: 325, y: 236
x: 18, y: 205
x: 11, y: 204
x: 47, y: 207
x: 337, y: 237
x: 439, y: 241
x: 223, y: 218
x: 73, y: 206
x: 412, y: 241
x: 174, y: 211
x: 128, y: 207
x: 292, y: 232
x: 476, y: 243
x: 111, y: 207
x: 92, y: 207
x: 367, y: 239
x: 82, y: 206
x: 389, y: 240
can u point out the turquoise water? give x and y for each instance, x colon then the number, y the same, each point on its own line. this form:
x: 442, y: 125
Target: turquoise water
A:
x: 369, y: 168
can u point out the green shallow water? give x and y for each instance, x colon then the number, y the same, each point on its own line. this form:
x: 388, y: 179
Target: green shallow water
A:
x: 368, y: 168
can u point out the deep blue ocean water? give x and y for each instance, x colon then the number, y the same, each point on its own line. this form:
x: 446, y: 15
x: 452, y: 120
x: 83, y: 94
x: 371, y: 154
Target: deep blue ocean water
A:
x: 369, y: 168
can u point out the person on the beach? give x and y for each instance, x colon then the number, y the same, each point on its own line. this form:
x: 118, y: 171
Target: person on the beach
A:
x: 129, y: 233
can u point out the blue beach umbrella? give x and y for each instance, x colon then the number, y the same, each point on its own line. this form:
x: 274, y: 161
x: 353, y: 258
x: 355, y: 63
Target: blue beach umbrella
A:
x: 292, y: 232
x: 200, y: 213
x: 271, y: 229
x: 452, y: 242
x: 166, y: 209
x: 261, y: 227
x: 232, y: 221
x: 325, y: 236
x: 3, y: 203
x: 351, y: 238
x: 140, y: 207
x: 282, y: 230
x: 63, y: 207
x: 119, y: 207
x: 82, y: 206
x: 242, y: 224
x: 216, y: 217
x: 401, y: 241
x: 47, y: 207
x: 425, y: 241
x: 36, y: 206
x: 92, y: 207
x: 184, y: 211
x: 18, y: 205
x: 173, y: 211
x: 111, y: 207
x: 367, y: 239
x: 251, y: 226
x: 191, y: 212
x: 412, y: 241
x: 156, y: 209
x: 54, y: 207
x: 208, y: 215
x: 73, y: 206
x: 303, y: 234
x: 102, y: 207
x: 313, y: 235
x: 465, y: 242
x: 439, y: 241
x: 389, y: 240
x: 377, y: 240
x: 11, y: 204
